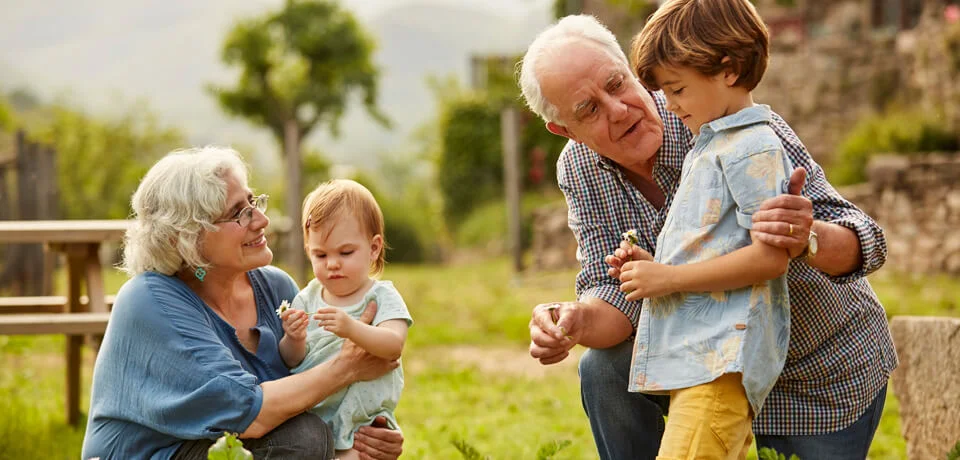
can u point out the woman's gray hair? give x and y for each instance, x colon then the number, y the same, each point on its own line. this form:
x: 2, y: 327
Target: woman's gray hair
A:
x: 175, y: 203
x: 568, y: 29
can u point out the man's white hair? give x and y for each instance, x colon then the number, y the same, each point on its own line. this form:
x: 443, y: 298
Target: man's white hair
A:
x: 176, y: 202
x: 545, y: 46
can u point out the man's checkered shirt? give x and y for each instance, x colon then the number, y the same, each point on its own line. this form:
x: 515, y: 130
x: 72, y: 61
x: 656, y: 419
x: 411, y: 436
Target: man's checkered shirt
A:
x: 841, y: 352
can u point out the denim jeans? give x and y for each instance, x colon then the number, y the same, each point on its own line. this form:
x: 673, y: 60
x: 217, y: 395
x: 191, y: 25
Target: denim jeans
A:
x: 629, y: 426
x: 303, y: 437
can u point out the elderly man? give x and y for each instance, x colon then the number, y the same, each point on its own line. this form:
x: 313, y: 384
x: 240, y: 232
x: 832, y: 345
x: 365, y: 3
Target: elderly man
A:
x: 620, y: 171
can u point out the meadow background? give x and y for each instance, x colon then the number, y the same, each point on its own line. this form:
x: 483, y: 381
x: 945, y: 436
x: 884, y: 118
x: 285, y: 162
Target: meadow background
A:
x: 113, y: 85
x: 468, y: 375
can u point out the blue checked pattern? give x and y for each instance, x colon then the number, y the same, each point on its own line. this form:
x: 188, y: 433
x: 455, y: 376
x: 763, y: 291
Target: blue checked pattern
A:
x: 840, y: 353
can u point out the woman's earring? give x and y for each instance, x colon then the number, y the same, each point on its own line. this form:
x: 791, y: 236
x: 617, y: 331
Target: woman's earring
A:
x: 200, y: 273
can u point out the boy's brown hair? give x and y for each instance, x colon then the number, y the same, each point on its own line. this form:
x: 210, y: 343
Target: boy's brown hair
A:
x: 337, y: 199
x: 699, y: 34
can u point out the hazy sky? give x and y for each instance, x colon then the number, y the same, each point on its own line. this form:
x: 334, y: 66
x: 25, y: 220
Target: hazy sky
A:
x: 101, y: 55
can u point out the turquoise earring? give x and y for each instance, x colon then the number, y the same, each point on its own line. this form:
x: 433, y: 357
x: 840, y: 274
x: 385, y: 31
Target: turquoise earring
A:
x: 200, y: 273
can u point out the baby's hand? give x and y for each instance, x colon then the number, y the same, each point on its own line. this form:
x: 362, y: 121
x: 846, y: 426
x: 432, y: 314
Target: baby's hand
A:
x: 335, y: 320
x: 295, y: 324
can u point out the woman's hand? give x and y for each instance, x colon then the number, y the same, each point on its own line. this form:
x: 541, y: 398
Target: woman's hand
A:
x: 377, y: 442
x: 295, y: 324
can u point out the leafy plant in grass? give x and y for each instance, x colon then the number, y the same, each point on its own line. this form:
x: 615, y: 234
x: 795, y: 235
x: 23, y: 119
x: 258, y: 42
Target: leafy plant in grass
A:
x: 228, y: 447
x: 545, y: 452
x: 767, y: 453
x: 954, y: 453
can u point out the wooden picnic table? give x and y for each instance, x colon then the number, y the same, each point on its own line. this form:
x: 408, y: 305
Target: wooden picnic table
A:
x: 79, y: 241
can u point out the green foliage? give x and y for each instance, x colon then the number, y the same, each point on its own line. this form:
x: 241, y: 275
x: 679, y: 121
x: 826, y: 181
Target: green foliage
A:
x: 486, y: 226
x: 301, y: 63
x: 469, y: 452
x: 545, y: 452
x: 6, y: 116
x: 100, y: 162
x: 767, y: 453
x: 228, y: 447
x: 548, y: 450
x: 470, y: 167
x: 954, y: 453
x: 897, y: 131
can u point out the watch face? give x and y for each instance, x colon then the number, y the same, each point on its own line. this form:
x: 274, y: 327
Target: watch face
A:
x: 813, y: 243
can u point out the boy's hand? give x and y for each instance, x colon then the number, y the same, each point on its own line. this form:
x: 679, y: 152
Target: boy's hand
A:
x: 295, y: 324
x: 625, y: 253
x: 336, y: 320
x: 641, y: 279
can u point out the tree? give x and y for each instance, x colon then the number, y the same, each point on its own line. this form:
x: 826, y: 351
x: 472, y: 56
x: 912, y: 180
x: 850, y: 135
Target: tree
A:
x: 299, y: 66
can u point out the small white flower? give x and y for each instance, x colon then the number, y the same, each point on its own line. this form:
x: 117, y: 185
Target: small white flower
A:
x: 631, y: 237
x: 284, y: 306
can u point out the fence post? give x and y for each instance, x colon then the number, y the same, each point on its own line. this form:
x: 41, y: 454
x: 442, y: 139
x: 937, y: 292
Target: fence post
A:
x: 509, y: 127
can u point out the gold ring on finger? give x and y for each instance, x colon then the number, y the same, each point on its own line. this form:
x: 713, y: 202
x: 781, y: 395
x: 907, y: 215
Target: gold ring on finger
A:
x: 791, y: 229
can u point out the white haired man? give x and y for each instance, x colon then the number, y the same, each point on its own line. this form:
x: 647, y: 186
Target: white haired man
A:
x: 619, y: 172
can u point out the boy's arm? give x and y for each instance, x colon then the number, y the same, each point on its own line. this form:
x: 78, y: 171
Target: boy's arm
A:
x: 384, y: 340
x: 744, y: 267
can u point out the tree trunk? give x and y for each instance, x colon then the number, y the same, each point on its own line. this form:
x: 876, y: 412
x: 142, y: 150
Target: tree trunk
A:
x: 294, y: 257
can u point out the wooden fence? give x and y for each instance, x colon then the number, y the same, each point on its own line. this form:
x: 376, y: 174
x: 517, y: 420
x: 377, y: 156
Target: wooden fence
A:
x: 28, y: 191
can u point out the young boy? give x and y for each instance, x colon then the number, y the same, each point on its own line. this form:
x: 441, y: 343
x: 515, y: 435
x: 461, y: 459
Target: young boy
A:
x: 714, y: 328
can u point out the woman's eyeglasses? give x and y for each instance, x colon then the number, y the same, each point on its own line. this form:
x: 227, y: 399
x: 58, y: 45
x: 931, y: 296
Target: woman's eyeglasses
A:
x: 245, y: 215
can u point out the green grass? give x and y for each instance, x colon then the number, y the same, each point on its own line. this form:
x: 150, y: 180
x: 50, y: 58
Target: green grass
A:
x: 468, y: 376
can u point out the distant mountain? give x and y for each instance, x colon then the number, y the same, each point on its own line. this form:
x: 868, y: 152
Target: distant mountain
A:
x: 107, y: 51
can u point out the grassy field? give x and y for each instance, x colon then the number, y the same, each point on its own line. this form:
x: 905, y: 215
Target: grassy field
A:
x: 468, y: 376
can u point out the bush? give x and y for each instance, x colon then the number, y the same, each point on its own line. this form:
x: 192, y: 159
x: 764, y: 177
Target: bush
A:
x: 486, y: 226
x: 900, y: 132
x: 470, y: 167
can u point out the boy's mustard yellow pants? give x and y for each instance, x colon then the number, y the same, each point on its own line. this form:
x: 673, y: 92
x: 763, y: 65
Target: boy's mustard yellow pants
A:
x: 709, y: 421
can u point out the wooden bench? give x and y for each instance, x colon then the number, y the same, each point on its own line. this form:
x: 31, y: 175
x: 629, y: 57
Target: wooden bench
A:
x: 79, y: 241
x: 45, y: 323
x: 43, y: 304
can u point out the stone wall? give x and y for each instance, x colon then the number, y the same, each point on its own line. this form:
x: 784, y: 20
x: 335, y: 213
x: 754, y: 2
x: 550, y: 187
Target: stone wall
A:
x: 926, y: 383
x: 915, y: 199
x: 917, y: 202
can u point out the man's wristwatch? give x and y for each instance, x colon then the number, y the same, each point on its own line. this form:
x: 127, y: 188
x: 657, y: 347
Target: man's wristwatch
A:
x: 812, y: 246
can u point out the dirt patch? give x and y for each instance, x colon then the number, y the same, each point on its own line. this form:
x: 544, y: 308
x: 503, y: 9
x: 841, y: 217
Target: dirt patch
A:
x: 500, y: 361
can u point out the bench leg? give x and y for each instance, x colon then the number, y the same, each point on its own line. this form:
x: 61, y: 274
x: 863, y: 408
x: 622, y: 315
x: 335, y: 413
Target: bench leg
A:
x: 74, y: 344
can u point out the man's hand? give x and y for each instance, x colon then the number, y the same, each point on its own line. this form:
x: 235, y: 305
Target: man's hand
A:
x: 554, y: 329
x: 625, y: 253
x: 785, y: 221
x: 642, y: 279
x: 336, y: 320
x: 295, y: 324
x: 377, y: 442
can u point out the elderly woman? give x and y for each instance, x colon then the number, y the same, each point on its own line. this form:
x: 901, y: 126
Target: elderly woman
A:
x: 191, y: 350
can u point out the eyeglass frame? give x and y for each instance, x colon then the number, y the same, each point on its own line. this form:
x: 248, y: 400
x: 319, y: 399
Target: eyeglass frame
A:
x: 259, y: 203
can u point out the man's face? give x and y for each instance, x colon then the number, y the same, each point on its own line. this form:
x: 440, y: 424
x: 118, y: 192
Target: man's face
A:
x: 601, y: 103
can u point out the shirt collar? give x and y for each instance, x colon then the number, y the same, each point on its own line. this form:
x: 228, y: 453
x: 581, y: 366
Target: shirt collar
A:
x: 757, y: 113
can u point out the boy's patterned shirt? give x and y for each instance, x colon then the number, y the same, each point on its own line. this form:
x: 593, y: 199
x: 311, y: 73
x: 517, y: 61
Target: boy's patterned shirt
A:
x: 691, y: 338
x: 840, y: 352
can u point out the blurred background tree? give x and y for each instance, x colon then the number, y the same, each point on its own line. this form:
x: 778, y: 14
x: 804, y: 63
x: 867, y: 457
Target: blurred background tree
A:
x: 298, y: 68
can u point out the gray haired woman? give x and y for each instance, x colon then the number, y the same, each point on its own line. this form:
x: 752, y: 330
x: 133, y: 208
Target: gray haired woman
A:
x: 191, y: 350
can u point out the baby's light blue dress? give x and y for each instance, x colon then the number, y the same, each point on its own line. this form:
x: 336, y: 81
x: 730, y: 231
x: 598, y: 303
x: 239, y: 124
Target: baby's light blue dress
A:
x: 358, y: 404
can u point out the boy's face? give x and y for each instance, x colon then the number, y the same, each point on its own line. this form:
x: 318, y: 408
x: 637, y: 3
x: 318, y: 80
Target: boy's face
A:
x: 694, y: 97
x: 600, y: 103
x: 342, y: 255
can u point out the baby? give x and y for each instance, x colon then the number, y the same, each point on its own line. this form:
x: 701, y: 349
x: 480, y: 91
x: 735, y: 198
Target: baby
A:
x: 343, y: 236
